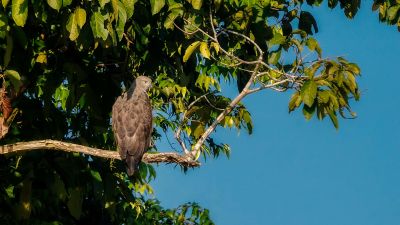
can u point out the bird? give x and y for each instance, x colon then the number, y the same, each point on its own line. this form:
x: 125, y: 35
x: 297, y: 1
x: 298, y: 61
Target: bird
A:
x: 132, y: 123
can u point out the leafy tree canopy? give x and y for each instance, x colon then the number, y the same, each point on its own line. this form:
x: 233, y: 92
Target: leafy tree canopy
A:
x: 64, y: 62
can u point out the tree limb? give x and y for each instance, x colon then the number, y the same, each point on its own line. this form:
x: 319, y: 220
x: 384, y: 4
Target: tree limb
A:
x: 163, y: 157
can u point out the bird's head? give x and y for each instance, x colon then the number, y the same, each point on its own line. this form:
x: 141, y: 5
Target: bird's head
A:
x: 143, y: 83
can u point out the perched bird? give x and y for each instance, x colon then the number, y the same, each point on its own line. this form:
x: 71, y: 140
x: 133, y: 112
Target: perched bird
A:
x: 132, y: 123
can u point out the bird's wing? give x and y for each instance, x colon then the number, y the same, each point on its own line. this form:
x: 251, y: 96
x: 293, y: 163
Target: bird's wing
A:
x: 132, y: 126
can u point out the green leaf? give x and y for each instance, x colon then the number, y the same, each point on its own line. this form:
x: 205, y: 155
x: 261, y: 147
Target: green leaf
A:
x: 392, y: 12
x: 114, y: 4
x: 72, y: 27
x: 323, y: 96
x: 10, y: 191
x: 66, y: 2
x: 4, y: 28
x: 204, y: 50
x: 14, y: 77
x: 198, y: 129
x: 75, y: 202
x: 295, y: 101
x: 61, y: 96
x: 20, y: 35
x: 55, y: 4
x: 309, y: 92
x: 189, y: 51
x: 9, y: 49
x: 97, y: 24
x: 19, y: 11
x: 313, y: 45
x: 103, y: 3
x: 169, y: 22
x: 334, y: 119
x: 156, y: 6
x: 277, y: 39
x: 273, y: 57
x: 58, y: 188
x: 96, y: 175
x: 308, y: 112
x: 354, y: 68
x: 122, y: 17
x: 129, y: 7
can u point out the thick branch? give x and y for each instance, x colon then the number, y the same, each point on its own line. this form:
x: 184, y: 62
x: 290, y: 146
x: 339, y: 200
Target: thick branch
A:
x: 165, y: 157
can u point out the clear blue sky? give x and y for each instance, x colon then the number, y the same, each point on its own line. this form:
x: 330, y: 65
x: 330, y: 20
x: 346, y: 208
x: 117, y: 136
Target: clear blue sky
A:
x: 294, y: 172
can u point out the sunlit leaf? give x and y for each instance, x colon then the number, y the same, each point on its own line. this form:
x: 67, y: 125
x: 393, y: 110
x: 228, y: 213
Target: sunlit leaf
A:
x: 204, y: 50
x: 309, y: 92
x: 72, y: 27
x: 169, y: 22
x: 80, y: 16
x: 4, y: 3
x: 122, y: 17
x: 97, y: 24
x: 14, y: 77
x: 156, y: 6
x: 189, y: 51
x: 196, y: 4
x: 19, y: 11
x: 55, y: 4
x: 103, y: 3
x: 129, y: 6
x: 41, y: 58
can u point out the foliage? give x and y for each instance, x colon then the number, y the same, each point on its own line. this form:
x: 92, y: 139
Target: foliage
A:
x: 64, y: 62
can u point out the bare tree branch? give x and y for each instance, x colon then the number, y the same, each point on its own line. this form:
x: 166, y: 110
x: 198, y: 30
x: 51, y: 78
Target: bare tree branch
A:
x: 164, y: 157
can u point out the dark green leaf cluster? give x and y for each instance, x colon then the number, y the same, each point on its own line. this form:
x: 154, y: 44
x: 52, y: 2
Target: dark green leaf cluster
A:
x: 327, y: 90
x: 70, y: 189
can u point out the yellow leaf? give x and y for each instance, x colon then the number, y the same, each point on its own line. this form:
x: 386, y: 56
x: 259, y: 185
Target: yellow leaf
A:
x: 197, y: 4
x: 204, y: 50
x: 80, y: 17
x: 215, y: 45
x: 114, y: 4
x: 41, y: 58
x: 4, y: 3
x: 190, y: 50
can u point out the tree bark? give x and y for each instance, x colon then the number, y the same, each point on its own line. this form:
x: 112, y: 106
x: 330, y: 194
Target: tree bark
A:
x: 48, y: 145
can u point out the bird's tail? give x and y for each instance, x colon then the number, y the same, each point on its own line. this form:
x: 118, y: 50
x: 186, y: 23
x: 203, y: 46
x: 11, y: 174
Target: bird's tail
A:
x: 132, y: 164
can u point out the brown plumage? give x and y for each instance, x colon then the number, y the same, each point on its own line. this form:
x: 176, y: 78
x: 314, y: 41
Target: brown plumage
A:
x: 132, y: 123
